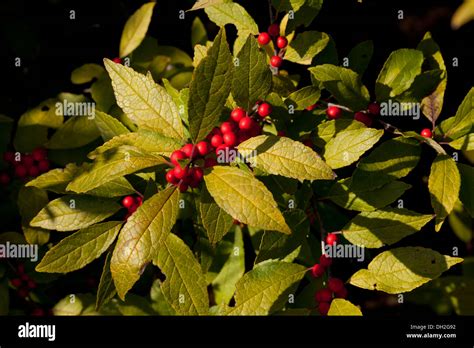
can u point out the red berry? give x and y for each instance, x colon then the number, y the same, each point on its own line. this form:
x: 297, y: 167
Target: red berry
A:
x: 325, y: 261
x: 20, y: 268
x: 323, y: 308
x: 246, y: 123
x: 364, y: 118
x: 230, y: 139
x: 176, y: 156
x: 276, y: 61
x: 274, y: 30
x: 333, y: 112
x: 33, y: 171
x: 264, y: 110
x: 317, y: 270
x: 237, y: 114
x: 308, y: 143
x: 25, y: 277
x: 212, y: 133
x: 210, y: 162
x: 341, y: 293
x: 335, y: 284
x: 426, y: 133
x: 331, y: 238
x: 282, y: 42
x: 311, y: 107
x: 374, y: 109
x: 264, y: 39
x: 255, y: 130
x: 128, y: 201
x: 16, y: 282
x: 23, y: 292
x: 202, y: 148
x: 31, y: 284
x: 183, y: 187
x: 27, y: 160
x: 323, y: 295
x: 227, y: 127
x: 217, y: 140
x: 43, y: 166
x: 39, y: 154
x: 133, y: 208
x: 221, y: 148
x: 243, y: 136
x: 139, y: 200
x: 4, y: 179
x: 38, y: 312
x: 189, y: 151
x: 21, y: 171
x: 9, y: 157
x: 179, y: 172
x: 281, y: 133
x: 198, y: 174
x: 171, y: 178
x: 117, y: 60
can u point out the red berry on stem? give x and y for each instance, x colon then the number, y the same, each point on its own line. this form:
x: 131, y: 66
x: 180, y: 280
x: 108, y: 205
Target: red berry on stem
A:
x: 4, y: 179
x: 9, y: 157
x: 323, y: 295
x: 323, y: 308
x: 202, y: 148
x: 281, y: 133
x: 331, y: 238
x: 264, y: 109
x: 20, y: 171
x: 180, y: 172
x: 274, y: 30
x: 264, y: 39
x: 39, y: 154
x: 333, y: 112
x: 117, y: 60
x: 217, y: 140
x: 189, y: 151
x: 341, y: 293
x: 27, y: 160
x: 139, y: 200
x: 220, y: 148
x: 227, y: 127
x: 246, y: 123
x: 210, y: 162
x: 183, y: 187
x: 43, y: 166
x: 128, y: 201
x: 176, y: 156
x: 23, y: 292
x: 16, y: 282
x: 31, y: 284
x: 33, y: 171
x: 20, y: 268
x: 325, y: 261
x: 282, y: 42
x: 237, y: 114
x: 364, y: 118
x: 335, y: 284
x: 230, y: 139
x: 198, y: 174
x: 171, y: 178
x: 38, y: 312
x: 276, y: 61
x: 311, y: 107
x: 374, y: 108
x: 317, y: 270
x: 426, y: 133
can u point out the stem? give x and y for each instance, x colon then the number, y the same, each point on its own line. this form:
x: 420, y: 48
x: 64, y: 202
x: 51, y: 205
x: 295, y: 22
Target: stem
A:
x: 270, y: 11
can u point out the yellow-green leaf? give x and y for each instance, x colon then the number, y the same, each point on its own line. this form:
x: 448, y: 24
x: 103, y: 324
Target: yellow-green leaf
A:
x: 463, y: 15
x: 232, y: 13
x: 215, y: 220
x: 305, y: 46
x: 135, y: 29
x: 75, y: 132
x: 465, y: 143
x: 341, y: 307
x: 109, y: 126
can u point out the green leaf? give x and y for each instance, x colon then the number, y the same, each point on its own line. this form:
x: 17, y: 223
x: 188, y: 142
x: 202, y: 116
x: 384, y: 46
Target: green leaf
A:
x: 403, y: 269
x: 367, y: 200
x: 30, y: 137
x: 444, y: 184
x: 341, y: 307
x: 466, y: 193
x: 383, y: 227
x: 75, y: 132
x: 327, y: 130
x: 232, y: 270
x: 398, y: 73
x: 304, y: 15
x: 145, y: 102
x: 70, y: 212
x: 198, y: 33
x: 141, y: 238
x: 465, y: 143
x: 185, y: 287
x: 79, y: 249
x: 146, y: 140
x: 210, y: 88
x: 430, y: 142
x: 286, y: 157
x: 463, y: 15
x: 306, y: 46
x: 201, y: 4
x: 106, y: 290
x: 265, y: 289
x: 135, y: 29
x: 344, y: 84
x: 360, y: 56
x: 159, y: 304
x: 303, y: 97
x: 347, y: 147
x: 392, y: 160
x: 252, y: 77
x: 287, y: 5
x: 461, y: 222
x: 232, y: 13
x: 45, y: 114
x: 113, y: 164
x: 245, y: 198
x: 215, y: 220
x: 462, y: 122
x: 109, y: 126
x: 86, y: 73
x: 30, y: 201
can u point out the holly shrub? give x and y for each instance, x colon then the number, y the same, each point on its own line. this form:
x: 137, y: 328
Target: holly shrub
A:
x: 220, y: 185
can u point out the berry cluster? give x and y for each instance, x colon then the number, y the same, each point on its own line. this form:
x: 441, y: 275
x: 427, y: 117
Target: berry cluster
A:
x: 324, y: 262
x: 335, y: 289
x: 24, y: 165
x: 24, y: 284
x: 188, y: 162
x: 279, y: 42
x: 131, y: 204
